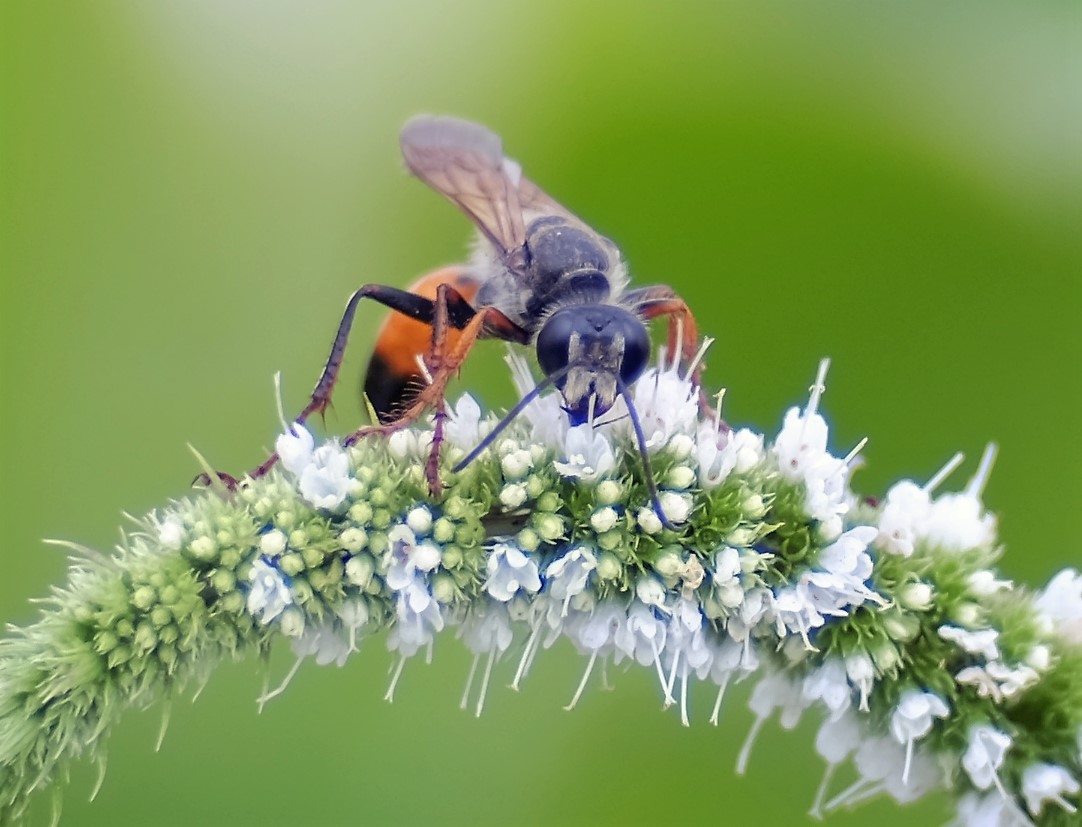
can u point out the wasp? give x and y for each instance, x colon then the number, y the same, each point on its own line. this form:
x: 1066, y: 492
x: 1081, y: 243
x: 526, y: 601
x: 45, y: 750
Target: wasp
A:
x: 540, y: 276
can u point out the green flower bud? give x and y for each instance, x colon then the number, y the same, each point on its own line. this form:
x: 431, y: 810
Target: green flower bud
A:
x: 291, y: 622
x: 916, y: 597
x: 443, y: 530
x: 608, y: 567
x: 451, y: 557
x: 608, y: 492
x: 291, y: 564
x: 444, y: 590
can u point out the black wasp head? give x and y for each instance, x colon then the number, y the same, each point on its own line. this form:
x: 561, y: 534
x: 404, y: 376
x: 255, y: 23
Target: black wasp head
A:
x: 596, y: 347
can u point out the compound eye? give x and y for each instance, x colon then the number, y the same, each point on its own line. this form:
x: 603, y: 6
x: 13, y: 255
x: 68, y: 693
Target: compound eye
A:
x: 553, y: 342
x: 636, y: 350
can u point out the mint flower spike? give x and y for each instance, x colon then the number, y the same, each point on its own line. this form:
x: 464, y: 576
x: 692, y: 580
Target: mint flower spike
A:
x: 885, y: 616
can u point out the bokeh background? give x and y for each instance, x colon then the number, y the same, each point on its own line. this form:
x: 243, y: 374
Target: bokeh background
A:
x: 191, y: 190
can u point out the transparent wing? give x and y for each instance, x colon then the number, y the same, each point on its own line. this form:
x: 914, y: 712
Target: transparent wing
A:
x: 534, y: 199
x: 464, y: 162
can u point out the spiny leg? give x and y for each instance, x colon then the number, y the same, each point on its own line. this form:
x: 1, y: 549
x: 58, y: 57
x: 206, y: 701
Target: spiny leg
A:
x: 444, y: 362
x: 655, y: 302
x: 402, y: 301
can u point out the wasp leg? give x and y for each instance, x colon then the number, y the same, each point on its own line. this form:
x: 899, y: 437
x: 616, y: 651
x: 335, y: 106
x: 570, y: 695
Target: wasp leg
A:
x: 662, y: 300
x: 444, y: 360
x: 393, y: 375
x: 655, y: 302
x: 402, y: 301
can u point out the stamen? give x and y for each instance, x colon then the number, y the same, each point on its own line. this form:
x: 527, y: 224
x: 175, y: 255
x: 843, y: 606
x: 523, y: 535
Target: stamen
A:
x: 582, y: 683
x: 278, y: 401
x: 469, y: 682
x: 818, y: 389
x: 858, y: 787
x: 745, y: 750
x: 852, y: 455
x: 863, y: 795
x: 816, y: 810
x: 661, y: 674
x: 389, y: 695
x: 262, y: 700
x: 671, y: 682
x: 714, y: 715
x: 526, y: 658
x: 705, y: 346
x: 944, y: 472
x: 720, y: 396
x: 976, y: 485
x: 684, y: 694
x: 484, y: 681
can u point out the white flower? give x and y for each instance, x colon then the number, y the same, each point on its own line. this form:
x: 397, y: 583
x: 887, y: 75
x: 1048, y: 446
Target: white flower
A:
x: 463, y: 424
x: 417, y: 617
x: 409, y: 562
x: 588, y: 454
x: 510, y: 572
x: 294, y: 448
x: 1060, y: 603
x: 604, y: 519
x: 488, y: 630
x: 984, y: 583
x: 595, y: 631
x: 829, y: 684
x: 903, y: 518
x: 802, y: 457
x: 419, y: 520
x: 409, y: 444
x: 1048, y: 782
x: 642, y: 637
x: 984, y: 755
x: 913, y: 719
x: 844, y: 566
x: 998, y: 681
x: 667, y: 404
x: 991, y: 810
x: 171, y: 533
x: 838, y: 736
x: 727, y: 585
x: 512, y: 495
x: 566, y: 576
x: 272, y: 543
x: 516, y: 464
x: 648, y: 521
x: 651, y: 592
x: 957, y: 522
x: 720, y: 455
x: 677, y: 507
x: 325, y: 480
x: 322, y: 641
x: 861, y: 672
x: 776, y: 690
x: 268, y: 594
x: 546, y: 416
x: 794, y: 611
x: 980, y: 642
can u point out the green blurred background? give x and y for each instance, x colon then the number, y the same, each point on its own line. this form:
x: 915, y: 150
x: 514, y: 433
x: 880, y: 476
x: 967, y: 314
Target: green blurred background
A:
x: 191, y: 190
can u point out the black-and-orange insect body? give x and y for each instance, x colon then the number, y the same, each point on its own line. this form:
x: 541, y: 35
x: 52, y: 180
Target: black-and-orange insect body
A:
x: 540, y: 276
